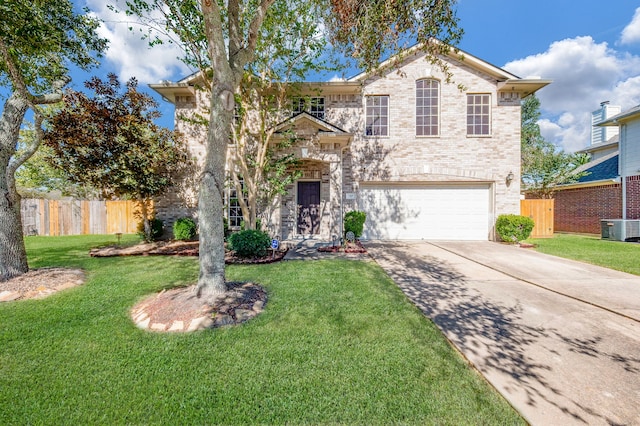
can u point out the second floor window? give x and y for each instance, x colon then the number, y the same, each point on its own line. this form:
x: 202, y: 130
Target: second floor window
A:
x: 313, y: 105
x: 377, y: 116
x: 478, y: 114
x: 427, y: 107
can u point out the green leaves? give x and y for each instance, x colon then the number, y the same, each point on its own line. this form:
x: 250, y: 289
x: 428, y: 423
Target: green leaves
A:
x: 544, y: 166
x: 44, y: 38
x: 111, y: 142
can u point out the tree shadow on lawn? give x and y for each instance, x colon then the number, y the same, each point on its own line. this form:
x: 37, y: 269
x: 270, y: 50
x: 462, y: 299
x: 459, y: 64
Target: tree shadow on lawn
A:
x: 494, y: 334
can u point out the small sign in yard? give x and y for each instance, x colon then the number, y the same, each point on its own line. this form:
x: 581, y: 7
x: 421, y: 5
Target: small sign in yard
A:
x: 274, y: 246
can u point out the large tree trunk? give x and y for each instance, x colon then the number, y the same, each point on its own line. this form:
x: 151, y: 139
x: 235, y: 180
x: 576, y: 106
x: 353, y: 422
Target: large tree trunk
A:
x: 13, y: 255
x: 211, y: 281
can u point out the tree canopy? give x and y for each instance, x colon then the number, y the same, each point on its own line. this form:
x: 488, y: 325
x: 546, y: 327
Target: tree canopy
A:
x: 223, y: 39
x: 111, y: 142
x: 544, y: 166
x: 39, y: 41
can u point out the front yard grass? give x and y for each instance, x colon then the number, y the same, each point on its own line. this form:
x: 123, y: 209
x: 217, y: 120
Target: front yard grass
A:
x: 592, y: 249
x: 337, y: 343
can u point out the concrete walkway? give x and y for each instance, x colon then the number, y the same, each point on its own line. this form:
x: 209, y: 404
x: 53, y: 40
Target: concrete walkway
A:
x: 559, y: 339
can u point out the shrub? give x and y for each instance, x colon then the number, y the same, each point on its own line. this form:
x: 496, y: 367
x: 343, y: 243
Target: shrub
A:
x: 157, y: 227
x: 184, y: 229
x: 513, y: 227
x: 354, y: 222
x: 250, y: 243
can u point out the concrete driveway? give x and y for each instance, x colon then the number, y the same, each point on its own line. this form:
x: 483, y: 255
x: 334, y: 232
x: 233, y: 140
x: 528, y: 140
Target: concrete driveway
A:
x: 559, y: 339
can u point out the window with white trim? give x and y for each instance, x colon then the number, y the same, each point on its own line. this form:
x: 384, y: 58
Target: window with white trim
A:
x: 478, y: 114
x: 377, y: 115
x: 313, y: 105
x: 427, y: 107
x: 235, y: 212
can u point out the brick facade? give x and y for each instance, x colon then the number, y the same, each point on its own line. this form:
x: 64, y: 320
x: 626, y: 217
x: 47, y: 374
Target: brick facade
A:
x: 452, y: 156
x: 581, y: 209
x: 633, y: 197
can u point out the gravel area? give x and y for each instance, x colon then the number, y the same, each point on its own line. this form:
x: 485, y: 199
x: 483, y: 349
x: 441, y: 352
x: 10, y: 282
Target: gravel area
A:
x: 40, y: 283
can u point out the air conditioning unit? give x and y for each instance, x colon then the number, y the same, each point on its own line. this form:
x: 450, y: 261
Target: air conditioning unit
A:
x: 620, y: 229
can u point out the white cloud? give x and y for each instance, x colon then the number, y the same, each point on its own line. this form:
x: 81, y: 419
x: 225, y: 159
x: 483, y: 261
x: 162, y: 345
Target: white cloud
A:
x: 631, y: 33
x: 584, y: 73
x: 130, y: 55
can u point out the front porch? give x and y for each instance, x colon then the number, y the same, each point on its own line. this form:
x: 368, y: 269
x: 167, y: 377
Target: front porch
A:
x: 312, y: 207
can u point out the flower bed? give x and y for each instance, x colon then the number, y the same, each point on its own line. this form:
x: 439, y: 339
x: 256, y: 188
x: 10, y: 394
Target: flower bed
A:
x: 349, y: 247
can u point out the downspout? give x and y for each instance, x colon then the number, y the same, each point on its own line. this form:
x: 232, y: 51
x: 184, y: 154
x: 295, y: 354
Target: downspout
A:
x: 623, y: 177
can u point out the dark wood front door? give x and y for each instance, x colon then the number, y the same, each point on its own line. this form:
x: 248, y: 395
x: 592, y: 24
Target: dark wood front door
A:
x: 308, y: 208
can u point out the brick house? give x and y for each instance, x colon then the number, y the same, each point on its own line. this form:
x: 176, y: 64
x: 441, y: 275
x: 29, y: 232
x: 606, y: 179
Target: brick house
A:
x: 425, y: 159
x: 611, y: 190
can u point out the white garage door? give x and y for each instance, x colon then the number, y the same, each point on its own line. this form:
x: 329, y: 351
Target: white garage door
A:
x: 430, y: 212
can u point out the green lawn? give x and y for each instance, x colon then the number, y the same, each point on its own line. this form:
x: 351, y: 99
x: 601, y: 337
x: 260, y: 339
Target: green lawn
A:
x: 338, y: 343
x: 591, y: 249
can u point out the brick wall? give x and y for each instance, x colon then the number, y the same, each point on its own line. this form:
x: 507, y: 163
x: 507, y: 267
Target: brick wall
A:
x: 633, y: 197
x: 581, y: 209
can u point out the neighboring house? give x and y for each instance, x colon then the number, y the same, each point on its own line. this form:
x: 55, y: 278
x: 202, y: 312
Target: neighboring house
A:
x: 611, y: 189
x: 425, y: 159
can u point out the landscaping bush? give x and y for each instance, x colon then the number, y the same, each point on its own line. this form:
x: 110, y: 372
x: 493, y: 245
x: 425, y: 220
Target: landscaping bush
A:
x: 157, y: 227
x: 250, y: 243
x: 513, y: 227
x: 184, y: 229
x: 354, y: 222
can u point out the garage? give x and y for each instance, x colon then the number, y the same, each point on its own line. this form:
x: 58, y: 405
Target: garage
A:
x: 429, y: 212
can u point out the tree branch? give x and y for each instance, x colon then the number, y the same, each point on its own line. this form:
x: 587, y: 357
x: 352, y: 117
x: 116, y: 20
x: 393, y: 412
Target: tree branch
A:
x: 246, y: 54
x: 14, y: 74
x: 17, y: 161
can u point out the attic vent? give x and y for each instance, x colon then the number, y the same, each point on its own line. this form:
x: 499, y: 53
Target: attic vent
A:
x: 509, y: 96
x: 311, y: 174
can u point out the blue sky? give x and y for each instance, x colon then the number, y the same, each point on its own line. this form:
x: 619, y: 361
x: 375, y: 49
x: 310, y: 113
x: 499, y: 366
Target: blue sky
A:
x: 590, y: 49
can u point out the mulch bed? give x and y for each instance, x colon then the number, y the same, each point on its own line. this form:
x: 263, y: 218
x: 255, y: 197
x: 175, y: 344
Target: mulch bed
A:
x: 180, y: 248
x: 355, y: 247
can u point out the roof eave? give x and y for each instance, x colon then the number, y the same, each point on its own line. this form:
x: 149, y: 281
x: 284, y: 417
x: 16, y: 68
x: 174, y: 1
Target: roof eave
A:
x: 578, y: 185
x: 453, y: 53
x: 621, y: 118
x: 525, y: 87
x: 169, y: 91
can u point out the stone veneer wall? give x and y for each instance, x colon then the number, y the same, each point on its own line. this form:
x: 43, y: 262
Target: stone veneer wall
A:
x: 402, y: 156
x: 452, y: 156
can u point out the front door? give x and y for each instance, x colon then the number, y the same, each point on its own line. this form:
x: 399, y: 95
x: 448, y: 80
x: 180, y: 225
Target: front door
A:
x: 308, y: 208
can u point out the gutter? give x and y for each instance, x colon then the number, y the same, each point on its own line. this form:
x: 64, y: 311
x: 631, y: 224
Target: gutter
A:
x: 589, y: 184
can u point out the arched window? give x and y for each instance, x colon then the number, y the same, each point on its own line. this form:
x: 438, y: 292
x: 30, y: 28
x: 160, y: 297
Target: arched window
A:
x: 427, y: 107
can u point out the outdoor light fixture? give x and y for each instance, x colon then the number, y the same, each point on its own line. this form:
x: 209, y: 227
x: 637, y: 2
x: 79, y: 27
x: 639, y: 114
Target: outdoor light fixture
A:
x: 509, y: 178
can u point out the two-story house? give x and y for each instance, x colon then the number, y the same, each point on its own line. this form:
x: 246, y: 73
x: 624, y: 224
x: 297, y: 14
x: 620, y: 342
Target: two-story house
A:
x: 425, y: 159
x: 611, y: 188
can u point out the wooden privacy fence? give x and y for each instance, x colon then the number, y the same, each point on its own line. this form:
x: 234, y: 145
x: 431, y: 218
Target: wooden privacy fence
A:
x: 77, y: 217
x: 541, y: 211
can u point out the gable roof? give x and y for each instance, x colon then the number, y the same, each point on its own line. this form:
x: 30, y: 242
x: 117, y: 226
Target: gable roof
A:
x: 322, y: 125
x: 604, y: 168
x: 506, y: 81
